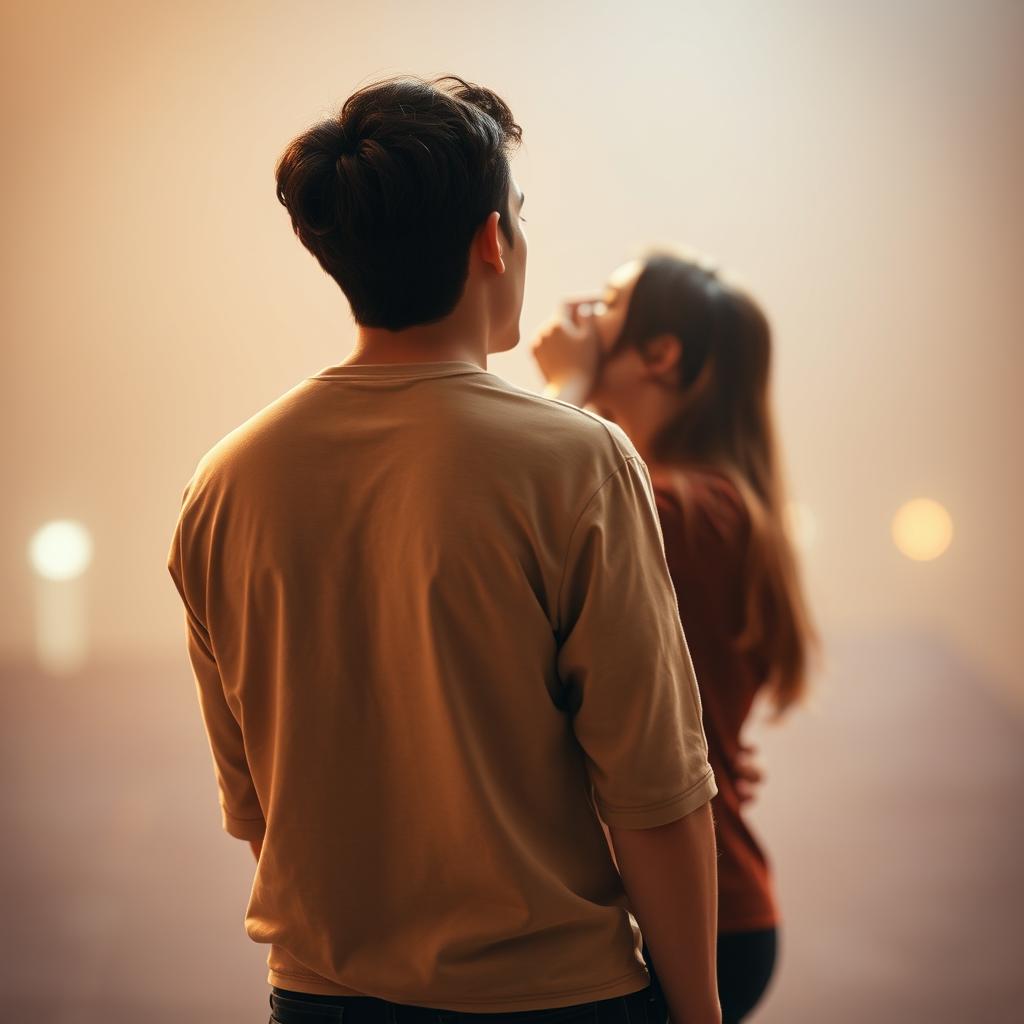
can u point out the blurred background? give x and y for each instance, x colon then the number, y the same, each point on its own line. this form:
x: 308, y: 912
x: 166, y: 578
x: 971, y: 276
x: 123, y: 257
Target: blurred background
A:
x: 859, y: 167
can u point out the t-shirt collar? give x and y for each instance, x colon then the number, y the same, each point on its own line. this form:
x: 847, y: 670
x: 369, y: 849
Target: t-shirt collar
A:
x: 396, y: 371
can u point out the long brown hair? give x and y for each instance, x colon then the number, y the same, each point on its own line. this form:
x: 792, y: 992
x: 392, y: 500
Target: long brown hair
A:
x: 725, y: 422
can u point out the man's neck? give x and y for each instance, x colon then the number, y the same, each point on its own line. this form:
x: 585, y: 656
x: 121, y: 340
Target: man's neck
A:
x: 444, y: 341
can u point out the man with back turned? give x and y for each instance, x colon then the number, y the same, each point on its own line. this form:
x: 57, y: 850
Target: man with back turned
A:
x: 433, y: 634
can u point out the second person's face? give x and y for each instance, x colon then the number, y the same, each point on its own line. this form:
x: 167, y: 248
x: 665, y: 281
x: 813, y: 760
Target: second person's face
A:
x: 620, y: 373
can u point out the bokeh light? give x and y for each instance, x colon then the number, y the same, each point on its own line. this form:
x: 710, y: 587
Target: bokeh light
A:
x: 922, y: 529
x: 60, y: 550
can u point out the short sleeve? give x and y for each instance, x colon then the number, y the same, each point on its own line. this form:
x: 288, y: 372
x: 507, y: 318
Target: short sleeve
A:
x: 241, y: 813
x: 624, y: 663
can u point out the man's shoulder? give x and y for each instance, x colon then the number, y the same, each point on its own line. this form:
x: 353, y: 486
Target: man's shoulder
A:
x: 249, y: 441
x: 550, y: 421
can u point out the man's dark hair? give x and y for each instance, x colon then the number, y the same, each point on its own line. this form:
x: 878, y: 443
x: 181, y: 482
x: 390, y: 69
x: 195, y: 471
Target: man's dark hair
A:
x: 388, y: 194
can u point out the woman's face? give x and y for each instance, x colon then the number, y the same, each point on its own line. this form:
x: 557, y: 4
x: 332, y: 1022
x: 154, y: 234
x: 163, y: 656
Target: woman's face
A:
x: 619, y: 374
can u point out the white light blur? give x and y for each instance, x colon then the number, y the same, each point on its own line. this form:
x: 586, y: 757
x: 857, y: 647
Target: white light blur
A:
x: 60, y: 550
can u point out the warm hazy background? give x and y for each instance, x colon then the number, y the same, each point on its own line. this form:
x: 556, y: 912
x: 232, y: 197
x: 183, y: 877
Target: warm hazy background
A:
x: 859, y: 165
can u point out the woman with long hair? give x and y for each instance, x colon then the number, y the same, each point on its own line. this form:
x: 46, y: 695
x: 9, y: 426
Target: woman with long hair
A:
x: 680, y: 359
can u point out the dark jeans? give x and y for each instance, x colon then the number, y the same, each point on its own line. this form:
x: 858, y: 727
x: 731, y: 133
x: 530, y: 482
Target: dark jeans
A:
x: 644, y: 1007
x: 746, y: 961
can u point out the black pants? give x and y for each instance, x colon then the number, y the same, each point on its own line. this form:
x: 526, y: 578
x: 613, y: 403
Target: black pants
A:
x: 746, y: 961
x: 644, y: 1007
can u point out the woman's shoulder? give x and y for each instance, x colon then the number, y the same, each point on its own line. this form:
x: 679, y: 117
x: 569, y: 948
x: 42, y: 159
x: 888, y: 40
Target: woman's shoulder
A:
x: 702, y: 502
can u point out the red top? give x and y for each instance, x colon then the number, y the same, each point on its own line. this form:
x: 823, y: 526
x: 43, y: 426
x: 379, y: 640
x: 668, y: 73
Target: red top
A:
x: 705, y: 553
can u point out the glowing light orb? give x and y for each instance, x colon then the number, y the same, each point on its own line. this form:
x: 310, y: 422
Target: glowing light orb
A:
x: 922, y: 529
x: 60, y: 550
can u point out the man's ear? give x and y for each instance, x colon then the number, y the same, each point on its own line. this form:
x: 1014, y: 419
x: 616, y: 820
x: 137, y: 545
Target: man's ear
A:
x: 662, y: 355
x: 489, y: 243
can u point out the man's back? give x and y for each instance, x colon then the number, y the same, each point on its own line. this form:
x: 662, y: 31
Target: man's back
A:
x: 427, y: 611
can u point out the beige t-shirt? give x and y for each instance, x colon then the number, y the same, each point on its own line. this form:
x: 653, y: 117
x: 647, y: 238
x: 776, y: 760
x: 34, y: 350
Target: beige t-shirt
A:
x: 431, y: 626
